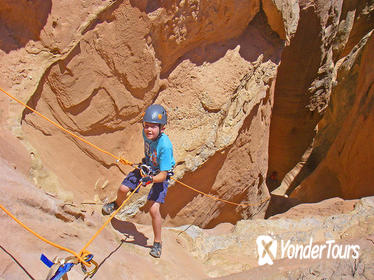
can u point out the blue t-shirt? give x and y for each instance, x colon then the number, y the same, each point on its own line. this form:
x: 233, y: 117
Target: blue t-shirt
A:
x: 159, y: 153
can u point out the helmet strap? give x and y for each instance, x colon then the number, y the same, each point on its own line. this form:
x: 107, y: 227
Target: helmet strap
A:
x: 162, y: 128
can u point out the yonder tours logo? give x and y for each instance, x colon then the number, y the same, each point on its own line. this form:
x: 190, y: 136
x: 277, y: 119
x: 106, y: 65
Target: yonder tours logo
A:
x: 267, y: 250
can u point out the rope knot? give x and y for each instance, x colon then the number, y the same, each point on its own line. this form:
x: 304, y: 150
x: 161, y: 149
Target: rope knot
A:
x: 124, y: 161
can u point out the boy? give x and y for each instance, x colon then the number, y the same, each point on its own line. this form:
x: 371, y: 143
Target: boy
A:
x: 158, y: 152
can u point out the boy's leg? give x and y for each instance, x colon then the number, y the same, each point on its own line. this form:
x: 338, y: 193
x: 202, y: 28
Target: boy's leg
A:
x: 121, y: 194
x: 128, y: 184
x: 154, y: 210
x: 110, y: 207
x: 156, y: 197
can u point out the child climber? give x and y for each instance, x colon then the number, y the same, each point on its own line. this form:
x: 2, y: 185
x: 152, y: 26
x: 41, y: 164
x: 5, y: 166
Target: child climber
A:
x: 159, y: 160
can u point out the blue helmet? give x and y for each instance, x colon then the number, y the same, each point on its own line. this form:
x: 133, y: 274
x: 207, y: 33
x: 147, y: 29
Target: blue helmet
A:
x: 155, y: 114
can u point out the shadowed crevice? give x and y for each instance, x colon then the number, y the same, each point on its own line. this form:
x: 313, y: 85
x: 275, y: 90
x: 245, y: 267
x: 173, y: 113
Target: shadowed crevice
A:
x: 292, y: 127
x: 22, y: 21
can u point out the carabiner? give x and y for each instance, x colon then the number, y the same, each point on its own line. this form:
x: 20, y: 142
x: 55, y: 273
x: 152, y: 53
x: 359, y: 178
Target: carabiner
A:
x: 145, y: 170
x: 89, y: 259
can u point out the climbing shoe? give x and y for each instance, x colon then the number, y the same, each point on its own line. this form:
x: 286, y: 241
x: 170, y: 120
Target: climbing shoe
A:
x: 156, y: 250
x: 109, y: 208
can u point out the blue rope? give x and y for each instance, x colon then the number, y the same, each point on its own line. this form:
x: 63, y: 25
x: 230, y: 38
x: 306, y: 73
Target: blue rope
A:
x: 61, y: 271
x: 46, y: 261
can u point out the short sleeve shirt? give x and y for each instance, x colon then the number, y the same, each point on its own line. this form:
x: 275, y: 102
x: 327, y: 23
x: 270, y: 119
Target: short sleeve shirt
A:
x: 159, y: 153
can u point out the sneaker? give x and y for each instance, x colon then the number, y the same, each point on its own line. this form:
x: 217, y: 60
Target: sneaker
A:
x: 156, y: 250
x: 109, y: 208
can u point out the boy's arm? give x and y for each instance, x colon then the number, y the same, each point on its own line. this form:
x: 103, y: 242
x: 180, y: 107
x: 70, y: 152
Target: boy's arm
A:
x: 160, y: 177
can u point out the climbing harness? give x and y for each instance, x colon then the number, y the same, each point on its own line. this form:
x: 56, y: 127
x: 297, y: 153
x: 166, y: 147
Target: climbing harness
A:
x: 146, y: 170
x: 60, y: 267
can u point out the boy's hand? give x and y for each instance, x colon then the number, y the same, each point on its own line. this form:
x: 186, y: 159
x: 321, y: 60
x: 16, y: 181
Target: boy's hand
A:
x: 146, y: 180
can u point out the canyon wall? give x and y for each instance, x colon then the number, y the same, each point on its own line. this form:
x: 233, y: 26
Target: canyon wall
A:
x: 261, y: 96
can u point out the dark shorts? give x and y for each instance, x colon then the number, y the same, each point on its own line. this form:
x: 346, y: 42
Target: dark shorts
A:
x: 157, y: 192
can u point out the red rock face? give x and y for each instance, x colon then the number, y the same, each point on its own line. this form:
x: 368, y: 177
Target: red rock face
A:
x: 101, y: 86
x: 271, y: 96
x: 345, y: 130
x: 21, y: 22
x: 292, y: 124
x: 309, y: 115
x: 180, y: 26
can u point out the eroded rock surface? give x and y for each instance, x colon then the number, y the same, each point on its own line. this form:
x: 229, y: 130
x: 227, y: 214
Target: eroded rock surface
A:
x: 214, y: 80
x: 315, y: 105
x: 260, y: 95
x: 188, y: 252
x: 234, y: 249
x: 343, y: 142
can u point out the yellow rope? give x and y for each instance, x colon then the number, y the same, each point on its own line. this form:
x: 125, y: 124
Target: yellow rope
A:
x: 83, y: 253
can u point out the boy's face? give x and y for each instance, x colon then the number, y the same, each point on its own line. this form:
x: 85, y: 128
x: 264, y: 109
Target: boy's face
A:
x: 151, y: 130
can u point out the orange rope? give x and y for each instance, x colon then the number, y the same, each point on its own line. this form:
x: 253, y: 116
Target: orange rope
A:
x: 79, y: 257
x: 110, y: 218
x: 123, y: 161
x: 67, y: 131
x: 220, y: 199
x: 83, y: 252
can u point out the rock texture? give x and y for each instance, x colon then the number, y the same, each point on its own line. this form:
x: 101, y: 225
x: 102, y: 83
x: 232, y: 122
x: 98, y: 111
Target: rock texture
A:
x: 231, y: 250
x: 71, y: 226
x: 261, y: 96
x: 313, y: 97
x: 343, y: 141
x: 98, y: 82
x: 181, y: 26
x: 191, y: 253
x: 16, y: 33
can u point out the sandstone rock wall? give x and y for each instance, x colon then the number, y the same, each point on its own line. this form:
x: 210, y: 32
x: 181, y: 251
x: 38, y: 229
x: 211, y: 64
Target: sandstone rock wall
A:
x: 343, y: 144
x: 214, y: 83
x: 322, y: 94
x: 16, y: 33
x: 231, y: 251
x: 181, y: 26
x: 248, y: 86
x: 226, y: 250
x: 261, y: 95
